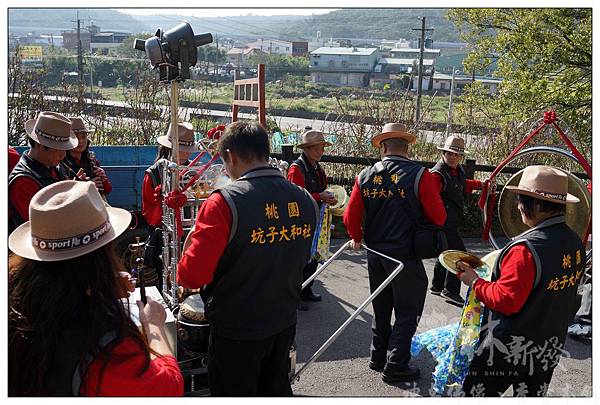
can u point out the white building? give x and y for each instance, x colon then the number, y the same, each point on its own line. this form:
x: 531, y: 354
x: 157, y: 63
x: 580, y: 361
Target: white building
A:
x: 443, y: 82
x: 413, y: 53
x: 272, y: 46
x: 343, y: 66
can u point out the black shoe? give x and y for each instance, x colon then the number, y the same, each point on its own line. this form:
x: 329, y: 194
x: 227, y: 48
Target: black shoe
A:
x: 302, y: 307
x: 311, y: 296
x: 435, y: 291
x: 376, y: 366
x: 452, y: 297
x: 408, y: 374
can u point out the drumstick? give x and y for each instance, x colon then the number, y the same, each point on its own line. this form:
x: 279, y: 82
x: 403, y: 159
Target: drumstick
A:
x: 140, y: 267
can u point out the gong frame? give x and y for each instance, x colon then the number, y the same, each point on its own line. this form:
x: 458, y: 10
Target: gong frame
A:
x: 523, y: 153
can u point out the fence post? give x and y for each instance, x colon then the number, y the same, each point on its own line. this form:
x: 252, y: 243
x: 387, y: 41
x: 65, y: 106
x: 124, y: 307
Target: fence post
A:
x: 287, y: 151
x: 469, y: 167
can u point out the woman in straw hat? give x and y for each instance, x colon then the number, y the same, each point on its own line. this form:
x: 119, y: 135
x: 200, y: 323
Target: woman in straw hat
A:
x: 81, y: 157
x: 69, y: 332
x: 452, y: 184
x: 530, y: 298
x: 151, y: 208
x: 306, y: 172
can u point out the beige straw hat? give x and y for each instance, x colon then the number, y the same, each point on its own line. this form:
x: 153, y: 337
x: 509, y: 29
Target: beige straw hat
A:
x: 66, y: 220
x: 454, y: 144
x: 187, y: 141
x: 77, y: 125
x: 545, y: 183
x: 312, y: 138
x: 393, y: 130
x: 52, y: 130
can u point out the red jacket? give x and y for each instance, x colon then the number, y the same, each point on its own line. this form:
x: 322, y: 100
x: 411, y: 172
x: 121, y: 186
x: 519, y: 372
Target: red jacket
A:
x: 296, y: 176
x: 121, y: 377
x: 13, y: 158
x: 209, y: 239
x: 508, y: 294
x: 151, y: 210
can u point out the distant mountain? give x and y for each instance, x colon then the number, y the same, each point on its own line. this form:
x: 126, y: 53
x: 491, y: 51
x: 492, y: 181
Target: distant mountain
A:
x: 371, y: 23
x: 345, y: 23
x: 262, y: 26
x: 55, y: 20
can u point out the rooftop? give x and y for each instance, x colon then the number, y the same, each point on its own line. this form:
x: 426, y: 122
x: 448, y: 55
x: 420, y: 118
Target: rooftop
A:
x: 485, y: 79
x: 344, y: 51
x: 402, y: 61
x: 410, y: 50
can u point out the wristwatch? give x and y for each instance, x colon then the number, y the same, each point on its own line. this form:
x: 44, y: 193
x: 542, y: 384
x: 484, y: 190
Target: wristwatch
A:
x: 473, y: 282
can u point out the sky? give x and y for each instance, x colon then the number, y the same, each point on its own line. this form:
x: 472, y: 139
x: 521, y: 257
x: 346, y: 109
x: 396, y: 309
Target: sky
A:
x: 218, y: 12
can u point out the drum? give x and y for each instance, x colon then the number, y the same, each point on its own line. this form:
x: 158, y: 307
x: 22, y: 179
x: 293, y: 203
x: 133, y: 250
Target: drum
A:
x: 192, y: 326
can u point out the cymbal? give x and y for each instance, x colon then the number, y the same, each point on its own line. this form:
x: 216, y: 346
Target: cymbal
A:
x: 450, y: 258
x: 577, y: 215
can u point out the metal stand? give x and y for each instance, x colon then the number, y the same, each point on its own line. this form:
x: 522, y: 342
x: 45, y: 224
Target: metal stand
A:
x: 361, y: 308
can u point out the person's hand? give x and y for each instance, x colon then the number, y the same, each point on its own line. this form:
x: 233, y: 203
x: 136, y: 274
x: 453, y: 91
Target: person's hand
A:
x: 328, y: 197
x: 126, y: 283
x: 355, y: 245
x: 81, y: 176
x: 98, y: 171
x: 467, y: 275
x: 99, y: 182
x: 151, y: 314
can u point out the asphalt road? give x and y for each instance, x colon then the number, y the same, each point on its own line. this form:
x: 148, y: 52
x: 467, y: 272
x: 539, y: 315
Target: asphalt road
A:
x: 342, y: 369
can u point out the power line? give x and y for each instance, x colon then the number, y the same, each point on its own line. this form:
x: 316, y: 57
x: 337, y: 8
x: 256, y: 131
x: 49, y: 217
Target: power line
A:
x: 250, y: 25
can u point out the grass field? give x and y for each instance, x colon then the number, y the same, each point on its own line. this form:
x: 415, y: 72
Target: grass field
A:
x: 222, y: 93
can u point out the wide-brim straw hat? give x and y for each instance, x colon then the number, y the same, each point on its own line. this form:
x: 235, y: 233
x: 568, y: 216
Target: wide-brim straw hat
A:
x: 545, y: 183
x: 454, y: 144
x: 393, y: 130
x: 53, y: 130
x: 187, y: 140
x: 67, y: 219
x: 78, y: 126
x: 312, y: 138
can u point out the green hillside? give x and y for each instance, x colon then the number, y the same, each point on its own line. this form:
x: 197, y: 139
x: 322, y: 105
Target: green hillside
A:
x: 46, y: 20
x: 374, y: 23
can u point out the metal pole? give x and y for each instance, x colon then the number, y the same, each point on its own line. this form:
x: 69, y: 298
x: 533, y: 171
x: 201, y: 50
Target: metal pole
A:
x: 354, y: 315
x: 449, y: 122
x: 79, y: 53
x: 420, y: 81
x: 324, y: 265
x: 174, y: 128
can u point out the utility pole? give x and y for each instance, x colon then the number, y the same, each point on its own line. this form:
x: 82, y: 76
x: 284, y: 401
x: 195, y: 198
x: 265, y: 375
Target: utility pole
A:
x: 216, y: 58
x: 449, y: 123
x: 79, y: 52
x: 420, y: 81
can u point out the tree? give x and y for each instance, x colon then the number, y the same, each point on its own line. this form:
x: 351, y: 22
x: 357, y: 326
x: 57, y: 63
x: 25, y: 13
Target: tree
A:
x: 544, y: 57
x: 279, y: 66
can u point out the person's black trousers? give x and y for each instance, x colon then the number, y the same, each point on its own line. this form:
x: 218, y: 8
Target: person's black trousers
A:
x: 308, y: 271
x: 406, y: 296
x: 493, y: 380
x: 246, y: 368
x: 442, y: 278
